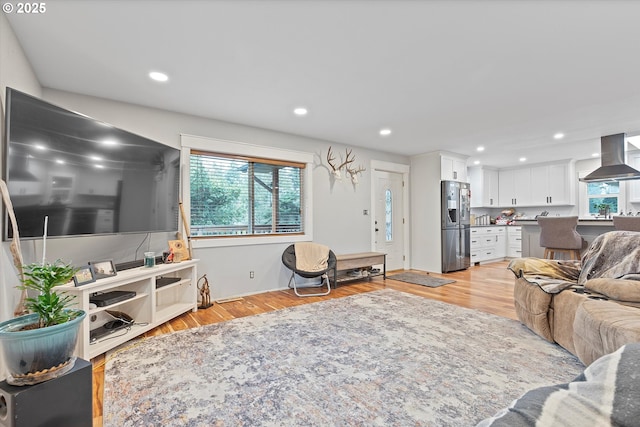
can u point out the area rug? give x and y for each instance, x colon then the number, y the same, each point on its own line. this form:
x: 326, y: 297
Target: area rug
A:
x: 384, y: 358
x: 420, y: 279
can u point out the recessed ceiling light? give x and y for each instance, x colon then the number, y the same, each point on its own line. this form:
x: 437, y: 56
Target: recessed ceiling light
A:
x: 385, y: 132
x: 158, y: 76
x: 96, y: 158
x: 523, y: 159
x: 110, y: 142
x: 300, y: 111
x: 97, y: 166
x: 480, y: 148
x: 477, y: 162
x: 40, y: 147
x: 558, y: 135
x: 595, y: 155
x: 60, y: 161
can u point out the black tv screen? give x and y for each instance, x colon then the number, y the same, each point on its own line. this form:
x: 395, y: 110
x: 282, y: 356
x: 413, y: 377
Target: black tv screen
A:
x: 85, y: 175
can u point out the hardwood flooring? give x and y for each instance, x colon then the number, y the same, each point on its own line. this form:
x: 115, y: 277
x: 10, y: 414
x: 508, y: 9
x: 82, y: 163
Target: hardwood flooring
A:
x: 488, y: 288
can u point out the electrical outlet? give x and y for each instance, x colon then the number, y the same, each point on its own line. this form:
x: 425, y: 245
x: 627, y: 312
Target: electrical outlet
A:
x: 365, y: 212
x: 251, y: 275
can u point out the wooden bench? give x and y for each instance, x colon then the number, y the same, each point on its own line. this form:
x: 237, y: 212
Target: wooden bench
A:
x: 359, y: 260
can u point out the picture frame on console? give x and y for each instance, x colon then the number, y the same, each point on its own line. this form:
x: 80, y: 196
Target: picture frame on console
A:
x: 84, y: 275
x: 104, y: 268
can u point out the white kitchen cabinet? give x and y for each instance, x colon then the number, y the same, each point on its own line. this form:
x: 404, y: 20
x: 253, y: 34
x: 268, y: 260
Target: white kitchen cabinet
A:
x: 484, y: 187
x: 552, y: 185
x: 542, y: 185
x: 514, y: 242
x: 634, y: 192
x: 488, y: 243
x: 453, y: 168
x: 514, y: 187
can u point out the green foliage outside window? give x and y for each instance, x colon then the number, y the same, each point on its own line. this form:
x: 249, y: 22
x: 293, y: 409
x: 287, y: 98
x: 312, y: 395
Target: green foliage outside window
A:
x: 231, y: 196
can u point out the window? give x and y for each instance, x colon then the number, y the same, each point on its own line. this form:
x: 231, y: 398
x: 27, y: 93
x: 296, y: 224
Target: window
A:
x: 244, y: 196
x: 388, y: 213
x: 603, y: 193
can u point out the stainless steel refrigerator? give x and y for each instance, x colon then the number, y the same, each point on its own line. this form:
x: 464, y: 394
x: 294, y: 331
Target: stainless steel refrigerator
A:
x: 456, y: 234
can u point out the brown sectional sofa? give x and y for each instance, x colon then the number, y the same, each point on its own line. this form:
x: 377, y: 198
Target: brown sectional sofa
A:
x: 587, y: 313
x: 588, y: 328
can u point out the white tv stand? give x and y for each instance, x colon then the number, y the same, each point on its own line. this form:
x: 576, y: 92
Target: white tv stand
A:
x: 149, y: 308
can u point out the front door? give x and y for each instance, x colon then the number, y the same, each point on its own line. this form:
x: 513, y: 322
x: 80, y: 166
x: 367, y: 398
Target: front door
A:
x: 389, y: 218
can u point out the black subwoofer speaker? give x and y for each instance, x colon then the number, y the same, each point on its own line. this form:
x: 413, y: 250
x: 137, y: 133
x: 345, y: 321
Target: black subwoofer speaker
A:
x: 63, y: 401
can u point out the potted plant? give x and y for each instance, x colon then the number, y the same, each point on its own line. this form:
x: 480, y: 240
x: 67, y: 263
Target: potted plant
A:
x: 603, y: 208
x: 39, y: 346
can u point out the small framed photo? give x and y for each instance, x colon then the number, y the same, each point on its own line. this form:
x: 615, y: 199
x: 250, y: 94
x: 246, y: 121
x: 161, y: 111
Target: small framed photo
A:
x: 83, y: 276
x: 102, y: 269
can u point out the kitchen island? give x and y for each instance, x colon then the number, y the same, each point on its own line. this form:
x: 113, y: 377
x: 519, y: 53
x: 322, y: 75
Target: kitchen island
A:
x: 588, y: 228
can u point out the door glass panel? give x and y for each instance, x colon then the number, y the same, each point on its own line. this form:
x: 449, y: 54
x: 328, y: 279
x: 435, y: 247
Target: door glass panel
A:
x: 388, y: 211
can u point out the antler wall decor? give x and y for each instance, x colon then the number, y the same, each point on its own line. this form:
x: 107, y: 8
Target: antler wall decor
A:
x: 348, y: 160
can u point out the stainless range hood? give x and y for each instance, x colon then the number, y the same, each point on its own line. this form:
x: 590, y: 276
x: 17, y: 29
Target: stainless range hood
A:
x: 613, y: 163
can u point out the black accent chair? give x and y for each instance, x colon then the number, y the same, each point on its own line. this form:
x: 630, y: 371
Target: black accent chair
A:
x: 289, y: 260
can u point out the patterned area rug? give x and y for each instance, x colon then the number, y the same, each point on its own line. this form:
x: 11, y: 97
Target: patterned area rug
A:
x: 420, y: 279
x: 384, y: 358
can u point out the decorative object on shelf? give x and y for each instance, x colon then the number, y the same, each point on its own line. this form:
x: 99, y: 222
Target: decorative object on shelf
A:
x: 104, y: 268
x: 149, y: 259
x: 38, y: 347
x: 205, y: 292
x: 84, y: 275
x: 178, y: 251
x: 346, y: 164
x: 16, y: 250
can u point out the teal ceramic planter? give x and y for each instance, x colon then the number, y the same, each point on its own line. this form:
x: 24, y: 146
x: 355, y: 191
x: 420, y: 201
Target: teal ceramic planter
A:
x: 38, y: 355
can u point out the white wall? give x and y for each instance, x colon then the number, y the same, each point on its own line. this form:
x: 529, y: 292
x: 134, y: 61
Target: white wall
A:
x: 15, y: 71
x: 426, y: 230
x: 337, y: 209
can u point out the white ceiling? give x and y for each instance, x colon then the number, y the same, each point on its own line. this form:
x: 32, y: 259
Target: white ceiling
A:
x: 447, y: 75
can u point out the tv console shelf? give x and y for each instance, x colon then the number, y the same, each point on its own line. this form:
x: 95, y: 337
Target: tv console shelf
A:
x: 150, y: 307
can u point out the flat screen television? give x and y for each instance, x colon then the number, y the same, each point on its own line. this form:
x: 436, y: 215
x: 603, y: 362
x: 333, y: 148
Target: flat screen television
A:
x: 86, y: 176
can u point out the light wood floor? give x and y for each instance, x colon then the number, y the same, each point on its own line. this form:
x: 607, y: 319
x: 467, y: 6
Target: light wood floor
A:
x: 488, y: 288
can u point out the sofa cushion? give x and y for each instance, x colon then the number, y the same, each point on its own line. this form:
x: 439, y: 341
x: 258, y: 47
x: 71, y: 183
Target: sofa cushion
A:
x: 561, y: 316
x: 615, y: 289
x: 602, y: 327
x: 532, y: 307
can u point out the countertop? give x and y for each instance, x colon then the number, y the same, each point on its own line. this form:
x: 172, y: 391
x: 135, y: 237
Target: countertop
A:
x: 495, y: 225
x: 604, y: 222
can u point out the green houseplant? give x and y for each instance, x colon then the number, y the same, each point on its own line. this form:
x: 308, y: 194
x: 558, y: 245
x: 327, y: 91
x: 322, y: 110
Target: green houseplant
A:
x: 39, y: 346
x: 602, y: 208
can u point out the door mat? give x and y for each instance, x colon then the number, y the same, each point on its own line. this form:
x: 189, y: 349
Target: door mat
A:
x: 420, y: 279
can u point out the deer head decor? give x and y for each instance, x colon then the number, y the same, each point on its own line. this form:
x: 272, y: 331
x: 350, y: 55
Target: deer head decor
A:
x: 346, y: 164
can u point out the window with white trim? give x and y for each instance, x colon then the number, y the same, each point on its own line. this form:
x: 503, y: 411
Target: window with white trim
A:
x: 245, y: 196
x: 603, y: 196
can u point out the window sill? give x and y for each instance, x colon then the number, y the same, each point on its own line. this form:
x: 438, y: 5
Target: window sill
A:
x: 197, y: 243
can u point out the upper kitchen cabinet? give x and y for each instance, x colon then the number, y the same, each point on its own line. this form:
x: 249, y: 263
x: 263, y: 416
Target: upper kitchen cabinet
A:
x: 540, y: 185
x: 553, y: 184
x: 453, y: 168
x: 634, y: 194
x: 484, y: 187
x: 515, y: 187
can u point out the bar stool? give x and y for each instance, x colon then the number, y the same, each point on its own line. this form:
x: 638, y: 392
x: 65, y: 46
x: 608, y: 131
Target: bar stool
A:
x: 558, y: 234
x: 629, y: 223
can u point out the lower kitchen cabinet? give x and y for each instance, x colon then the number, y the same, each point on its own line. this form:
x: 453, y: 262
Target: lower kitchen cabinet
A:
x: 495, y: 243
x: 514, y: 242
x: 488, y: 243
